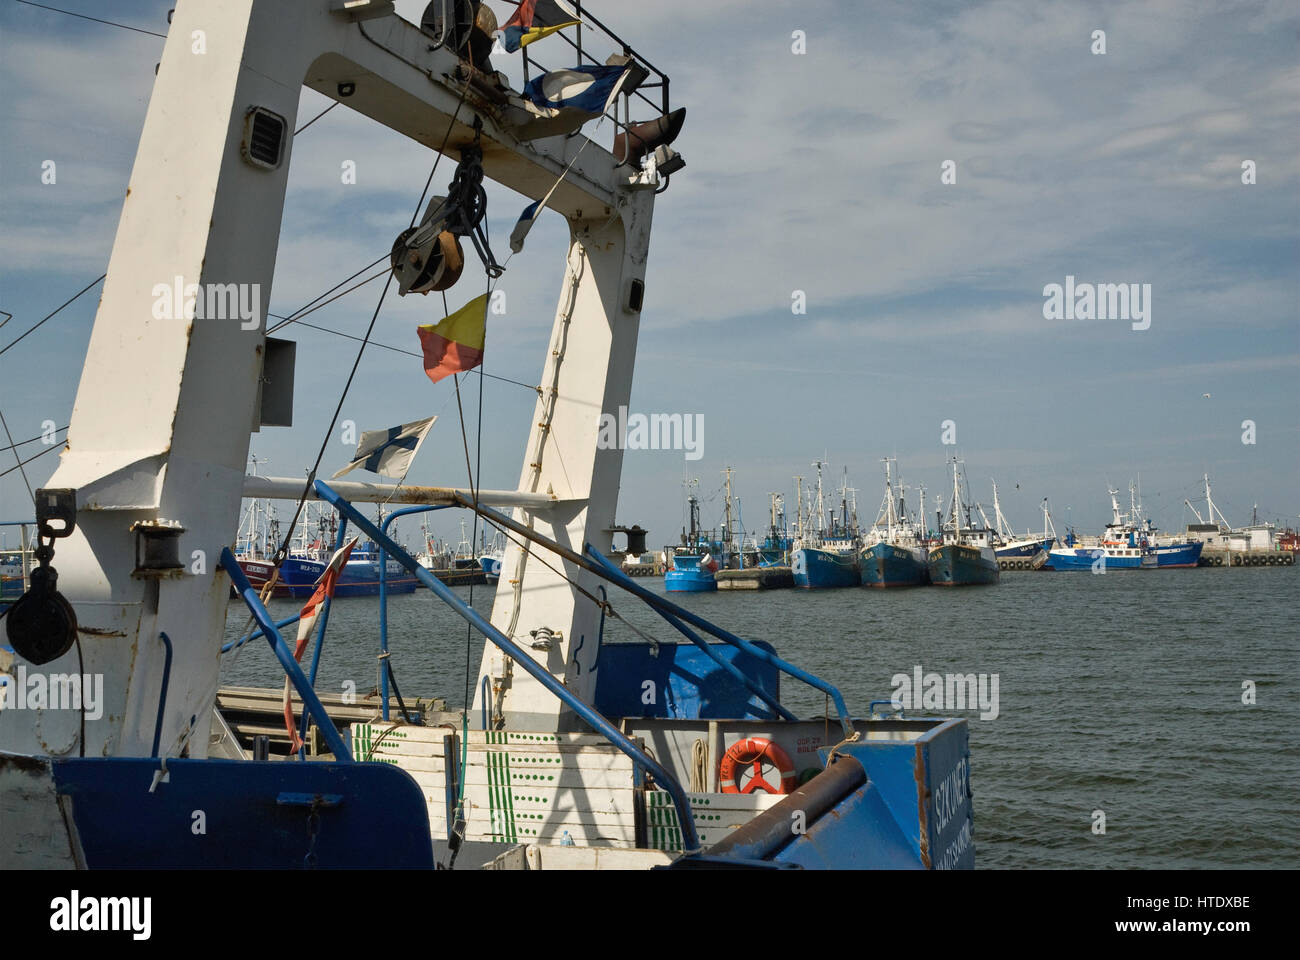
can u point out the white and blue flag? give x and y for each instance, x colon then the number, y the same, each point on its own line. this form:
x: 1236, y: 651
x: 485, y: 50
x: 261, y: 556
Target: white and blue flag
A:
x: 525, y: 223
x: 587, y: 88
x: 389, y: 452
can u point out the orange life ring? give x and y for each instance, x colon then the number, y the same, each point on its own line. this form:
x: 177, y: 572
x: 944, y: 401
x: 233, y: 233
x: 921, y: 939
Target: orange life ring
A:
x: 755, y: 750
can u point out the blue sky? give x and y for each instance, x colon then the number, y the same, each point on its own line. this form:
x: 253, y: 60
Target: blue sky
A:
x: 817, y: 172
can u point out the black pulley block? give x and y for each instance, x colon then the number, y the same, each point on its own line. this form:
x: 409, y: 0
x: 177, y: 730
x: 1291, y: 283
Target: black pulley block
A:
x: 41, y: 624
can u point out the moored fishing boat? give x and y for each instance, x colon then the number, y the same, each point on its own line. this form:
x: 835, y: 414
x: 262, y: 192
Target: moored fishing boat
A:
x: 825, y: 554
x: 1008, y: 546
x: 894, y: 554
x: 826, y: 565
x: 1129, y: 543
x: 691, y: 567
x: 891, y: 564
x: 966, y: 556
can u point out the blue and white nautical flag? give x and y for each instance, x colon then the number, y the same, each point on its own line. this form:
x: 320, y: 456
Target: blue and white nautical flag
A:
x: 389, y: 452
x: 588, y: 88
x: 524, y: 224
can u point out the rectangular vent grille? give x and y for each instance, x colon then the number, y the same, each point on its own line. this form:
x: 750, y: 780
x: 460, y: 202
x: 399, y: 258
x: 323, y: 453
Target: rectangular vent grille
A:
x: 263, y: 138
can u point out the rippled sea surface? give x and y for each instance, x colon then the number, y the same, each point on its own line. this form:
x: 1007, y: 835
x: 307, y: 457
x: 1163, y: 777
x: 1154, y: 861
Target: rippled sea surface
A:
x: 1119, y: 693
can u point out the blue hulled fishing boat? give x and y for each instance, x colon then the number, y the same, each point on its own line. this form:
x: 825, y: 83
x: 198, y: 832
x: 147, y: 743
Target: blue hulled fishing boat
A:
x: 691, y: 566
x: 1129, y: 543
x: 826, y: 555
x: 1008, y: 546
x: 895, y: 554
x: 966, y: 557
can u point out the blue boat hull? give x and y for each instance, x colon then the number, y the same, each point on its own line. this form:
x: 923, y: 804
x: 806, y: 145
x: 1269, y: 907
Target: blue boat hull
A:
x: 1024, y: 550
x: 1179, y: 555
x: 958, y: 565
x: 491, y: 568
x: 822, y: 569
x: 687, y: 576
x: 1084, y: 558
x: 891, y: 565
x: 360, y: 578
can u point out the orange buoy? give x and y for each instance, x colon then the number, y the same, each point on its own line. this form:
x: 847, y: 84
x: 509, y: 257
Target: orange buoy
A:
x: 756, y: 750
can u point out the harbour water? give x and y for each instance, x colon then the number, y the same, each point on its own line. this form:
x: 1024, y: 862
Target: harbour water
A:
x: 1119, y: 693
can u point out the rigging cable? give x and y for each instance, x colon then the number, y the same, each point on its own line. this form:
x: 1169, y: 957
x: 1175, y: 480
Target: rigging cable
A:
x: 23, y: 443
x: 14, y: 447
x: 34, y: 456
x: 317, y: 117
x: 50, y: 315
x: 311, y: 476
x: 82, y: 16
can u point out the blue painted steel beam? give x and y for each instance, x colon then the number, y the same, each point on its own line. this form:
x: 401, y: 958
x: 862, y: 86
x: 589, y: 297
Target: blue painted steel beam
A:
x: 283, y: 654
x: 690, y: 839
x: 622, y: 579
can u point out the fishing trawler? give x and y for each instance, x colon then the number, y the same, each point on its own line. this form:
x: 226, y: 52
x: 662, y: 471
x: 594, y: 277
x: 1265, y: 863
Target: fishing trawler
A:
x: 826, y: 552
x: 966, y: 556
x: 894, y: 554
x: 1011, y: 547
x: 1129, y: 543
x: 490, y: 559
x: 691, y: 567
x: 569, y: 763
x: 308, y: 558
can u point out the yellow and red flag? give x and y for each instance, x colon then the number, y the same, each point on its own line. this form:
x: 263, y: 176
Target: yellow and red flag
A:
x: 455, y: 344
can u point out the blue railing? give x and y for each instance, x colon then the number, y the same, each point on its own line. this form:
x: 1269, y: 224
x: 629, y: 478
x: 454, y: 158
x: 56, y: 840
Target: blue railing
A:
x: 283, y: 654
x: 690, y: 839
x: 162, y: 693
x: 600, y: 567
x: 383, y: 595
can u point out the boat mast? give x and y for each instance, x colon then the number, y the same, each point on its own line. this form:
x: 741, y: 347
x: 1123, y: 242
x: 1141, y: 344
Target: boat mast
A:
x: 798, y: 507
x: 821, y: 504
x: 844, y: 503
x: 956, y: 503
x: 889, y: 500
x: 1004, y: 529
x: 727, y: 543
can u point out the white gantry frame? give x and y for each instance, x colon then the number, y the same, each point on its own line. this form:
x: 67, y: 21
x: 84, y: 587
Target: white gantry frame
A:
x: 164, y: 410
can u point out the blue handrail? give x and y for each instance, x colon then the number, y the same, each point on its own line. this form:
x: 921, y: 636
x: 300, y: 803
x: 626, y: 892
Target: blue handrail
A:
x: 283, y: 654
x: 383, y: 597
x: 622, y: 579
x: 690, y: 839
x: 279, y: 625
x: 162, y: 694
x: 816, y: 682
x: 659, y: 603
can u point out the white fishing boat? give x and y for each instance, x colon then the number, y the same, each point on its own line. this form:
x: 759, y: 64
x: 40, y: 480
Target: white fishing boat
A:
x: 562, y: 759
